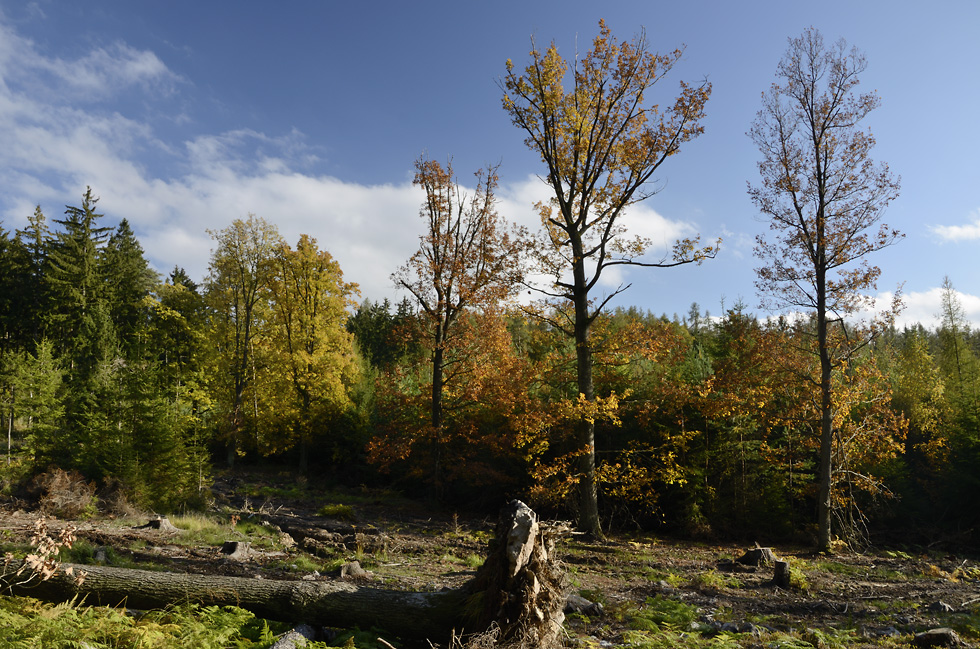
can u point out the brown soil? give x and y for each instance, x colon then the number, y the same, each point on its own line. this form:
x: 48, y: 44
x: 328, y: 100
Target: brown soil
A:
x: 879, y: 594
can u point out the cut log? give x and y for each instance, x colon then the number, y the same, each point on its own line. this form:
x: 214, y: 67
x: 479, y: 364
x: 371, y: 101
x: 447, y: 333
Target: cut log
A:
x: 519, y: 592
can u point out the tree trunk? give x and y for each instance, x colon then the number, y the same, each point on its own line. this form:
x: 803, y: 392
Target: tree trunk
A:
x: 519, y: 593
x: 825, y: 473
x: 409, y: 614
x: 588, y: 517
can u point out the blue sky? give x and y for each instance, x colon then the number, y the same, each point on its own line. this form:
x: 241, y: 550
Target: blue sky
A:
x: 184, y: 116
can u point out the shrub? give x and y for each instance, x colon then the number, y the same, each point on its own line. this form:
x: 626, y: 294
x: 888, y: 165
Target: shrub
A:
x: 66, y: 494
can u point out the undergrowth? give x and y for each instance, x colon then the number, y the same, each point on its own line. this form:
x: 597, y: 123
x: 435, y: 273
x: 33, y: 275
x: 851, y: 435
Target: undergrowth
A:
x: 27, y: 622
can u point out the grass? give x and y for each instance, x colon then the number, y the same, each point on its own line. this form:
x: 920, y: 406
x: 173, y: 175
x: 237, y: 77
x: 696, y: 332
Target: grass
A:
x: 201, y: 529
x: 339, y: 511
x: 872, y: 572
x: 657, y: 613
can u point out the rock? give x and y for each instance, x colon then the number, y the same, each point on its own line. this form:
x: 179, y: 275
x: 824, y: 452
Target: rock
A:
x: 747, y: 627
x: 297, y: 637
x: 578, y: 604
x: 880, y: 632
x: 941, y: 637
x: 353, y: 570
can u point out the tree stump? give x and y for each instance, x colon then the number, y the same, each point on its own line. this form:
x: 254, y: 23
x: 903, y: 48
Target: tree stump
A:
x: 521, y: 588
x: 781, y: 574
x: 161, y: 523
x: 757, y: 556
x: 238, y: 550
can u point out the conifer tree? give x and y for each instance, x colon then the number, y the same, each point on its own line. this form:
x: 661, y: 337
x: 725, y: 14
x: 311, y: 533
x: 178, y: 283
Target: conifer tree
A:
x: 128, y: 281
x: 85, y: 336
x: 34, y: 244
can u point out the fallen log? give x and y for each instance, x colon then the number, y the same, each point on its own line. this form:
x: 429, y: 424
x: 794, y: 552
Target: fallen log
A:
x: 519, y: 593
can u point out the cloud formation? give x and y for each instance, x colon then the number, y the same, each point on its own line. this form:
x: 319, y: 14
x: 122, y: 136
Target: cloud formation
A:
x: 968, y: 232
x: 54, y: 149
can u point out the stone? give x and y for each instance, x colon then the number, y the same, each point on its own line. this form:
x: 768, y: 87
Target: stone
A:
x: 941, y: 637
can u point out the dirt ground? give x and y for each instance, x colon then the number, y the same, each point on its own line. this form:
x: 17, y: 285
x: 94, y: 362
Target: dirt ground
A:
x: 879, y: 594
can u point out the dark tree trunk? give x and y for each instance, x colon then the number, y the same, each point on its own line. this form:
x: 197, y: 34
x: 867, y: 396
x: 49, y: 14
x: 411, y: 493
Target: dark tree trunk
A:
x: 588, y: 517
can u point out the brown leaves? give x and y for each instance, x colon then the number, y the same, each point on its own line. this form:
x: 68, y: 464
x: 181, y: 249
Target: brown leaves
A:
x: 42, y: 562
x: 819, y: 186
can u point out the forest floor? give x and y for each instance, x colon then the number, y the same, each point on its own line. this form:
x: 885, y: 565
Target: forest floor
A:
x: 652, y: 591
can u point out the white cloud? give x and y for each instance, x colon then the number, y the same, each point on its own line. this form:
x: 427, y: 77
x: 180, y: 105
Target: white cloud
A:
x: 966, y: 232
x: 103, y: 72
x: 925, y: 307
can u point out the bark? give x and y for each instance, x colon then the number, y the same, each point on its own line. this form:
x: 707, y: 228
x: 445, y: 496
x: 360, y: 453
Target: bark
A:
x: 519, y: 593
x: 781, y: 574
x: 826, y: 470
x: 410, y: 614
x: 588, y: 521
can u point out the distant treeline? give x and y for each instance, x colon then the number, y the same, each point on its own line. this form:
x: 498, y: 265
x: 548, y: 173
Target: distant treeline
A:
x: 703, y: 425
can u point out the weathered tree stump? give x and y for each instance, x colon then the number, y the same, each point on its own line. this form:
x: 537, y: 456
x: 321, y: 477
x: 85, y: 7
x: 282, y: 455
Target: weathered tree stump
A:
x: 161, y: 523
x: 238, y: 550
x: 521, y: 588
x: 757, y: 556
x: 781, y: 574
x: 519, y: 593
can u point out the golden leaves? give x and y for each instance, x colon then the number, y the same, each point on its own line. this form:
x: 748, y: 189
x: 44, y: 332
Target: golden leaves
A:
x: 601, y: 142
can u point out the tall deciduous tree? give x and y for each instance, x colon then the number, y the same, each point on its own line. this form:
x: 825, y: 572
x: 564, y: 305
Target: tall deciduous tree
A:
x: 311, y: 347
x: 824, y: 197
x: 601, y: 141
x: 240, y: 272
x: 466, y: 260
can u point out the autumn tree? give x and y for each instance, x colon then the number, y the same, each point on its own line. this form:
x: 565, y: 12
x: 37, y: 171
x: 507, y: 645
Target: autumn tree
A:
x: 240, y: 274
x: 601, y: 141
x: 310, y: 349
x: 466, y: 260
x: 824, y: 197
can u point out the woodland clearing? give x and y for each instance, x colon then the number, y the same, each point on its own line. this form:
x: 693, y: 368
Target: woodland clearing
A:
x: 652, y: 591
